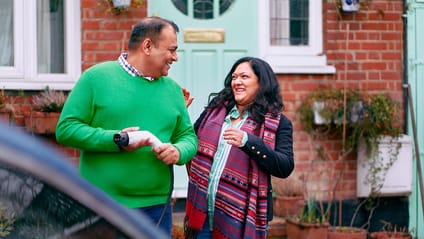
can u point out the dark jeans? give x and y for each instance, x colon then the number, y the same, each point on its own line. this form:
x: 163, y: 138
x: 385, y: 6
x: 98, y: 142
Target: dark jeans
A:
x: 155, y: 212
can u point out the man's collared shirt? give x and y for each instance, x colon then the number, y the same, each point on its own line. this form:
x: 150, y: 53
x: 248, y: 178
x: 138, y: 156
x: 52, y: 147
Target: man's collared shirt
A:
x: 129, y: 68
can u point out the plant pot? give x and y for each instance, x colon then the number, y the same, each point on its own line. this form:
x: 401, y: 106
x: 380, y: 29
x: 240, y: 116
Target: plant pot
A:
x: 41, y: 122
x: 346, y: 233
x: 355, y: 111
x: 177, y: 232
x: 318, y: 106
x: 296, y: 230
x: 390, y: 235
x: 288, y: 205
x: 121, y: 3
x: 393, y: 159
x: 350, y: 5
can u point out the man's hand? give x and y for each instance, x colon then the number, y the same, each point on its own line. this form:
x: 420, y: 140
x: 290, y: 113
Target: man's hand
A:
x: 139, y: 143
x: 167, y: 153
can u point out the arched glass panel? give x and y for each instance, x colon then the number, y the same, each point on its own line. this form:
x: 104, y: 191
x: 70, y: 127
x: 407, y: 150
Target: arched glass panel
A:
x: 181, y: 5
x: 203, y: 9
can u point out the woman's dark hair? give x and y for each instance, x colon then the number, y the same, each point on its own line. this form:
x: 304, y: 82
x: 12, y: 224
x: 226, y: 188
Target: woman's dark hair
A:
x: 267, y: 99
x: 150, y: 27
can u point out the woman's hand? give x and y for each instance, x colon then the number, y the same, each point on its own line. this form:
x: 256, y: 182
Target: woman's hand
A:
x: 187, y: 97
x: 234, y: 136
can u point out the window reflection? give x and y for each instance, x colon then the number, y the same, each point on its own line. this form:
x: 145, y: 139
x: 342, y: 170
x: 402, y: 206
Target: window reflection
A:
x: 50, y: 36
x: 6, y: 36
x: 289, y: 22
x: 32, y: 209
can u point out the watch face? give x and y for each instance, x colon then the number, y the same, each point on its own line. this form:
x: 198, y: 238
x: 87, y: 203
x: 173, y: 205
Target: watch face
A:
x: 121, y: 139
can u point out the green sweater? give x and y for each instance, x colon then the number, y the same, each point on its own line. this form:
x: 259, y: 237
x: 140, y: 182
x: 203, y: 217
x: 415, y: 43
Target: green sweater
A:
x: 107, y: 99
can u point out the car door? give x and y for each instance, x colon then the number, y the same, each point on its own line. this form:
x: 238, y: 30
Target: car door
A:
x: 43, y: 196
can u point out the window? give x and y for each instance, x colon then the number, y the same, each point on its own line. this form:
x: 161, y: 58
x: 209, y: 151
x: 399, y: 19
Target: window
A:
x: 290, y: 36
x: 41, y: 44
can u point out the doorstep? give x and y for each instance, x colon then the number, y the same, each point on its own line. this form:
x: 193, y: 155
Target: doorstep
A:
x: 277, y: 227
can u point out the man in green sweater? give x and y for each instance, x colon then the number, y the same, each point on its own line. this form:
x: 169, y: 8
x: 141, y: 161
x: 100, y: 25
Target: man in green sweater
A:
x: 132, y: 94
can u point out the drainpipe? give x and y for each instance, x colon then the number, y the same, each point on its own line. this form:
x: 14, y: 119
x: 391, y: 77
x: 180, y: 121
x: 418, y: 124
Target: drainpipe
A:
x: 405, y: 65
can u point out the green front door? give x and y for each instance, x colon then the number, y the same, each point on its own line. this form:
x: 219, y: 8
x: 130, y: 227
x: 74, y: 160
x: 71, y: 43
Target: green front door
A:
x: 213, y: 35
x: 415, y: 59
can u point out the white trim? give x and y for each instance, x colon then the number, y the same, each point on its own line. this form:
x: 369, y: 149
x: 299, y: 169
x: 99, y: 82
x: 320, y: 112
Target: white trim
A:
x: 24, y: 74
x: 294, y: 59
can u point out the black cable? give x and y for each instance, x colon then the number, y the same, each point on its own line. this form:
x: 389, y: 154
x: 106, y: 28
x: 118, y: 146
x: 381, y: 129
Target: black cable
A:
x: 168, y: 201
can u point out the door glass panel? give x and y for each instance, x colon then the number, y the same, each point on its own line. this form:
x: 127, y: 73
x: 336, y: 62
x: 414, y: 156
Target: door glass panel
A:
x: 30, y: 208
x: 224, y: 5
x: 6, y: 36
x: 181, y: 5
x: 289, y: 22
x: 202, y: 9
x: 50, y: 36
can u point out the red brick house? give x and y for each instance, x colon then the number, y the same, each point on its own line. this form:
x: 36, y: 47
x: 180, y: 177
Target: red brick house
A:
x: 363, y: 50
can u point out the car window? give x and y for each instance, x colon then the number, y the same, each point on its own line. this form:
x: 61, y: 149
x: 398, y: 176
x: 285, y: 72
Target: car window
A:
x: 30, y: 208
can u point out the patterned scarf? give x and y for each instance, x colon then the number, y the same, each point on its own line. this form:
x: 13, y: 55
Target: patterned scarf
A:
x: 241, y: 198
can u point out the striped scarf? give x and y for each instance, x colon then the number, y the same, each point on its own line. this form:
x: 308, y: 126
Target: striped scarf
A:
x: 241, y: 198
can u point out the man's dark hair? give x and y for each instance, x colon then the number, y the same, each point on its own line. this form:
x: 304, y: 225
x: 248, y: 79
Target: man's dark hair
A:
x: 150, y: 27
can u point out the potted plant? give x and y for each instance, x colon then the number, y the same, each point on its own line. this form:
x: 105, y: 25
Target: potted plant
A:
x: 367, y: 124
x: 45, y: 111
x: 380, y: 142
x: 346, y: 232
x: 288, y: 196
x: 119, y: 6
x: 311, y: 223
x: 391, y: 232
x: 6, y: 109
x: 323, y: 110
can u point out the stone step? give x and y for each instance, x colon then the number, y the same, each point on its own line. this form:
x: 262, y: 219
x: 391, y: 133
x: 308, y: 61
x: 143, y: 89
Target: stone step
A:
x: 277, y: 227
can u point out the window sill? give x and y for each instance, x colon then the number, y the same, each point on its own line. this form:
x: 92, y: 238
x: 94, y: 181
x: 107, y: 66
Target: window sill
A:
x: 298, y: 64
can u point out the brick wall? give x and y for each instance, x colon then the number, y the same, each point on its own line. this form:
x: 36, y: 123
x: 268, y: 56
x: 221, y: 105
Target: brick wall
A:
x: 366, y: 49
x: 104, y: 34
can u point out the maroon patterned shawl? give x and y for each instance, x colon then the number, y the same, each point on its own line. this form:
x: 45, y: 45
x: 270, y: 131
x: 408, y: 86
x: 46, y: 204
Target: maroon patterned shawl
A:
x: 241, y: 199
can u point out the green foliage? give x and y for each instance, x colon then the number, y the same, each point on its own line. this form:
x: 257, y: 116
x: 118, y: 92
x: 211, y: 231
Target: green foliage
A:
x: 314, y: 213
x: 333, y: 109
x: 358, y: 117
x: 381, y: 117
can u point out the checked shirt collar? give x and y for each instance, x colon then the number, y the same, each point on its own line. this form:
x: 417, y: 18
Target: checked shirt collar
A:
x: 129, y: 68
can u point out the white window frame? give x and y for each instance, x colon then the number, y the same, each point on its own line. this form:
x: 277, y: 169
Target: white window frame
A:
x: 294, y: 59
x: 23, y: 75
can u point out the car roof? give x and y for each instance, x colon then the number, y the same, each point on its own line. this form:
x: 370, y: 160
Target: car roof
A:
x: 32, y: 155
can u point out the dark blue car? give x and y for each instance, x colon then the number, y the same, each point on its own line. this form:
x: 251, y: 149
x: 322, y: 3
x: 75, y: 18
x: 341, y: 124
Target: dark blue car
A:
x: 43, y: 196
